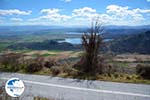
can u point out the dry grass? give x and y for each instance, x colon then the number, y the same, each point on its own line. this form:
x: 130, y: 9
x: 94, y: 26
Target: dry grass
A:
x: 66, y: 68
x: 125, y: 78
x: 132, y: 58
x: 41, y: 52
x: 42, y: 98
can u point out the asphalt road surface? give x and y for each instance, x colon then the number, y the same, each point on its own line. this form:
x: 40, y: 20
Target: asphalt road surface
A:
x: 71, y: 89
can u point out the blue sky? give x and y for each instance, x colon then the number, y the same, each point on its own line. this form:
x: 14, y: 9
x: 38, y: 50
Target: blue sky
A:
x: 74, y: 12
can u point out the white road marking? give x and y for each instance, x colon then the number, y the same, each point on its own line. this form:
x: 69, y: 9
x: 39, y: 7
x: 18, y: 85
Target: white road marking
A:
x: 84, y: 89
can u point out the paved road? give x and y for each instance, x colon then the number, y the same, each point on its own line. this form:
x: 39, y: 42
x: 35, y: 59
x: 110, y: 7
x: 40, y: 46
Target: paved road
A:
x: 71, y: 89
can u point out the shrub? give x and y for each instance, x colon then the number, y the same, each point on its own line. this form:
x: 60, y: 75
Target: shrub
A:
x: 42, y: 98
x: 108, y: 69
x: 55, y: 70
x: 90, y: 62
x: 10, y: 61
x: 33, y: 67
x: 143, y: 70
x: 50, y: 63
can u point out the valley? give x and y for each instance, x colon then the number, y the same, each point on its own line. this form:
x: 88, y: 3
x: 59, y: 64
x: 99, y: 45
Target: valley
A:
x: 57, y: 51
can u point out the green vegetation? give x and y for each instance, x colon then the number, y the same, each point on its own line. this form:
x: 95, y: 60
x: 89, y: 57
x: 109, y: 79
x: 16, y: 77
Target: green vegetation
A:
x: 144, y: 70
x: 55, y: 51
x: 41, y: 98
x: 4, y: 45
x: 44, y: 55
x: 47, y: 54
x: 138, y: 43
x: 14, y: 38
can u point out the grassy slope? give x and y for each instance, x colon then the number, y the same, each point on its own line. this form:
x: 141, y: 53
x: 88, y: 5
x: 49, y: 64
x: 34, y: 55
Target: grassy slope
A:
x: 132, y: 78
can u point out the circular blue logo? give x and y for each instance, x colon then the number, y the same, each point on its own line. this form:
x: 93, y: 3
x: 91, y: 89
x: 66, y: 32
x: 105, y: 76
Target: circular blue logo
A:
x: 14, y: 87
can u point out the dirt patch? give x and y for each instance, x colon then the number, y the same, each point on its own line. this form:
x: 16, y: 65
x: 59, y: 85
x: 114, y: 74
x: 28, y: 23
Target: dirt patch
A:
x: 40, y: 52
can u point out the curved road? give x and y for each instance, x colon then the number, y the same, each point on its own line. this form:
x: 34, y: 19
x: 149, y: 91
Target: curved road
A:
x: 71, y: 89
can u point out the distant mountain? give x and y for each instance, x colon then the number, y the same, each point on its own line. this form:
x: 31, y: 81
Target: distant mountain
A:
x: 45, y: 45
x: 109, y: 31
x: 113, y: 32
x: 27, y: 28
x: 137, y: 43
x: 34, y: 30
x: 127, y: 27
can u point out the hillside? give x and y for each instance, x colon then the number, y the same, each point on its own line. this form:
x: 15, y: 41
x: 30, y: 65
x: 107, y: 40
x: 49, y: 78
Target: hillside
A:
x: 135, y: 43
x: 138, y: 43
x: 45, y: 45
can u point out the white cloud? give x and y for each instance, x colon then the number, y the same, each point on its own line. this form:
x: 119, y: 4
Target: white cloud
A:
x: 148, y: 0
x: 87, y: 14
x: 125, y: 10
x: 14, y: 11
x: 84, y: 15
x: 125, y: 13
x: 118, y: 15
x: 84, y: 12
x: 54, y: 15
x: 51, y: 15
x: 16, y: 19
x: 66, y: 0
x: 50, y: 11
x: 114, y: 15
x: 138, y: 10
x: 118, y: 10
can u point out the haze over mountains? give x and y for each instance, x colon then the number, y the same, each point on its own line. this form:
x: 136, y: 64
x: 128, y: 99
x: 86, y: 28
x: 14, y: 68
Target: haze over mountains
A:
x: 110, y: 31
x: 68, y: 28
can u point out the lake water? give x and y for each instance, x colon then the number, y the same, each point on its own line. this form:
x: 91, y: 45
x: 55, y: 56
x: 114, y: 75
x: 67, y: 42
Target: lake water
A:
x: 74, y: 33
x: 77, y: 40
x: 72, y: 40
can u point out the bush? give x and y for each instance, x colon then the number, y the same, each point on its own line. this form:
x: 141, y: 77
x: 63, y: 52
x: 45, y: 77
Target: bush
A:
x: 10, y: 61
x: 51, y: 62
x: 55, y: 70
x: 143, y: 70
x: 108, y: 69
x: 48, y: 64
x: 42, y: 98
x: 34, y: 67
x: 92, y: 43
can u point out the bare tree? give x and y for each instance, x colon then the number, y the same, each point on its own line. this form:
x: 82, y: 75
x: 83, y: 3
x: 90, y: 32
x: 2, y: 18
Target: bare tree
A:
x: 91, y: 42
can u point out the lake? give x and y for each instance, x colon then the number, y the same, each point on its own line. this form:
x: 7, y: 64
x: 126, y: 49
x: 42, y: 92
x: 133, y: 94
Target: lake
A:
x: 77, y: 40
x: 71, y: 40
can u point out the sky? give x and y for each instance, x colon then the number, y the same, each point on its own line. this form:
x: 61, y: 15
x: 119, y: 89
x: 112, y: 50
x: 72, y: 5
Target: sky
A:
x: 74, y: 12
